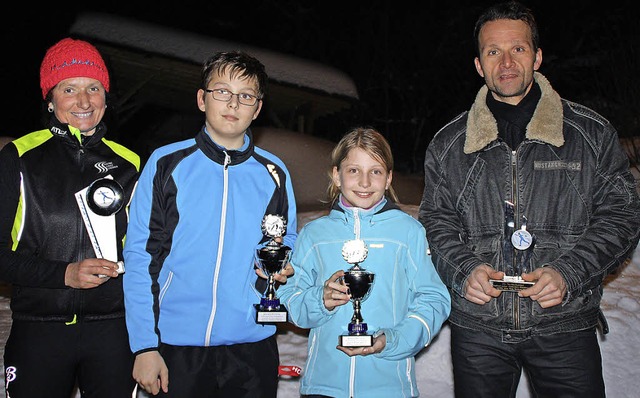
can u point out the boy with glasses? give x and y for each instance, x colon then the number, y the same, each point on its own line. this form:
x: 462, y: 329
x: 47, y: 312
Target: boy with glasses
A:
x: 195, y: 225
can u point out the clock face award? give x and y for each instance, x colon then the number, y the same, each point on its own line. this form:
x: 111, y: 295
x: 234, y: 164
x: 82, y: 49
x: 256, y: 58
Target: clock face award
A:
x: 105, y: 197
x: 271, y: 259
x: 359, y: 281
x: 98, y: 204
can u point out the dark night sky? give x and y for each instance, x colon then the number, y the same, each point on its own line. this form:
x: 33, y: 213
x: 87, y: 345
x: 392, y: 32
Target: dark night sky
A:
x: 409, y: 64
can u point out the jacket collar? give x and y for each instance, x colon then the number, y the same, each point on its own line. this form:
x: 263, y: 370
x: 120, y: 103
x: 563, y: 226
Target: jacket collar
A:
x: 217, y: 153
x: 545, y: 125
x: 381, y: 207
x: 64, y: 130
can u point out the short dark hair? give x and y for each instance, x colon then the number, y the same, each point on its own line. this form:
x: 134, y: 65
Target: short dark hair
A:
x: 507, y: 10
x: 239, y: 64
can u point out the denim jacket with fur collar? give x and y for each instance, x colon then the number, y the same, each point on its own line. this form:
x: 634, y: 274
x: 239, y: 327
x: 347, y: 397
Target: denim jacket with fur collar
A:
x: 571, y: 180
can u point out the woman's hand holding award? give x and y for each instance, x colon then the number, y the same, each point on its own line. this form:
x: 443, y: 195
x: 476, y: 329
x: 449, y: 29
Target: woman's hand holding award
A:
x: 98, y: 204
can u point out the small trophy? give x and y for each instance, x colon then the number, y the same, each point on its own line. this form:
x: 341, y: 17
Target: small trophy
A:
x: 359, y: 281
x: 517, y: 249
x: 271, y: 259
x: 98, y: 204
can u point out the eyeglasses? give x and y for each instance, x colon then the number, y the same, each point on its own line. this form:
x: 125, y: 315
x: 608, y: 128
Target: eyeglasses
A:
x: 221, y: 94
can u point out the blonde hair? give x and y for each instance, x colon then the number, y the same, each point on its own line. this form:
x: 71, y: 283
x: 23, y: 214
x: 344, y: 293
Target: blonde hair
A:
x: 369, y: 140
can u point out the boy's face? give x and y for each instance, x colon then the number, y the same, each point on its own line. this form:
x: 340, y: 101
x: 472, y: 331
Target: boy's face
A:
x: 227, y: 121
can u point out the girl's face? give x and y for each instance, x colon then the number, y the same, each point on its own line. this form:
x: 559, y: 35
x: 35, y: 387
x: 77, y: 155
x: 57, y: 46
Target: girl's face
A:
x: 362, y: 179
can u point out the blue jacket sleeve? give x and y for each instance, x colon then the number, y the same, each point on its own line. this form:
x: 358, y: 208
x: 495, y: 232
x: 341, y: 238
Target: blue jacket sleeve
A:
x: 429, y: 308
x: 303, y: 295
x: 139, y: 299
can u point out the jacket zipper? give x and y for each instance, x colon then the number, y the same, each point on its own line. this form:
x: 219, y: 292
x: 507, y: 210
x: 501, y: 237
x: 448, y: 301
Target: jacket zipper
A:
x: 78, y: 296
x: 352, y: 370
x: 516, y: 212
x: 352, y: 377
x: 223, y: 220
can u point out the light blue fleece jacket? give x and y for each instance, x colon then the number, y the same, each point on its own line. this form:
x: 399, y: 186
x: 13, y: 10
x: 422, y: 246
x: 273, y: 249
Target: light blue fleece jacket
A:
x: 408, y: 301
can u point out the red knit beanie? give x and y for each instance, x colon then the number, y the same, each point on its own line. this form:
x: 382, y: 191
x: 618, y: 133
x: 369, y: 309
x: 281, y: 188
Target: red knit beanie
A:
x: 71, y: 58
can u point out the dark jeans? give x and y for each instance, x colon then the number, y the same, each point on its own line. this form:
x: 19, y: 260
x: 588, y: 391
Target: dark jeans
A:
x: 46, y: 359
x: 248, y: 370
x: 558, y: 365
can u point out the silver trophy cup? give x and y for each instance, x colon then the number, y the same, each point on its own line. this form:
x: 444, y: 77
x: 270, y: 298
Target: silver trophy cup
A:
x: 359, y: 281
x: 271, y: 259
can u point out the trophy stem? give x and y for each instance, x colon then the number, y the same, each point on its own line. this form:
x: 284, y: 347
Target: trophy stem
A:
x: 357, y: 315
x: 271, y: 291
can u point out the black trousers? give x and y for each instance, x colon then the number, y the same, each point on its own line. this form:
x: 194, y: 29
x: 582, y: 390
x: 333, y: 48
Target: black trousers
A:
x: 558, y: 365
x: 248, y: 370
x: 46, y: 359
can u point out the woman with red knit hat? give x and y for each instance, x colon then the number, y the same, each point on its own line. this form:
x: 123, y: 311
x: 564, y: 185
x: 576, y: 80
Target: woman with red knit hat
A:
x: 63, y: 197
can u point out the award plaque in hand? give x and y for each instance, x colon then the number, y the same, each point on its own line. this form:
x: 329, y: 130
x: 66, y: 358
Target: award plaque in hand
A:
x: 98, y: 204
x: 518, y: 247
x: 359, y: 281
x: 271, y: 259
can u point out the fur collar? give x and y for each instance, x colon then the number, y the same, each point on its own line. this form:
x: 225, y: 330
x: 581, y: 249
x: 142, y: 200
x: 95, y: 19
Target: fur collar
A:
x: 545, y: 125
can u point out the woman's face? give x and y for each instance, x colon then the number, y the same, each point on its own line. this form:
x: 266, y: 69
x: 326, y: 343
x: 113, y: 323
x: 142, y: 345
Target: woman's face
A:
x: 79, y: 102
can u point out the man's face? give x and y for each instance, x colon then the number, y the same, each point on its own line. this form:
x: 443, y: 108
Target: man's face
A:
x: 507, y: 59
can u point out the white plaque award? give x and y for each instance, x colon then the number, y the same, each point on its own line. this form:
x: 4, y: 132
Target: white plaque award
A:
x: 98, y: 204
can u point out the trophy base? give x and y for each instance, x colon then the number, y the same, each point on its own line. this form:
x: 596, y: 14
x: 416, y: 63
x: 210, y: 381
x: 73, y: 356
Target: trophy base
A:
x: 511, y: 284
x: 365, y: 340
x: 263, y: 315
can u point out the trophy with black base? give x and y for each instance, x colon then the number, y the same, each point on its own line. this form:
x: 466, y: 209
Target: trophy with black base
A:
x: 271, y: 259
x: 359, y: 281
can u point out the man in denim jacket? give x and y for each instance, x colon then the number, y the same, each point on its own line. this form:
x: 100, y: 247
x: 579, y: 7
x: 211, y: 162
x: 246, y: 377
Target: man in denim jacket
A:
x: 534, y: 192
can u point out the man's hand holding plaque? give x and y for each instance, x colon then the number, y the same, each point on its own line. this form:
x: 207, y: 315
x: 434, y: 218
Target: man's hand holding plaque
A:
x: 510, y: 283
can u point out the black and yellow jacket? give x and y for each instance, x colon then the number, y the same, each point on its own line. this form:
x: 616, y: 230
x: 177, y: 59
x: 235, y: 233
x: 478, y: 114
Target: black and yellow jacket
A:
x: 41, y: 227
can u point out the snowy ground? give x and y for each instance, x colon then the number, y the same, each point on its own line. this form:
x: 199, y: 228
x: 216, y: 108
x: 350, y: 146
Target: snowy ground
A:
x: 308, y: 158
x: 620, y: 352
x: 621, y: 356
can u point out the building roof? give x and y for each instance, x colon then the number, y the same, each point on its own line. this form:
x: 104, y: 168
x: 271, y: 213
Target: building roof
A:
x: 159, y: 65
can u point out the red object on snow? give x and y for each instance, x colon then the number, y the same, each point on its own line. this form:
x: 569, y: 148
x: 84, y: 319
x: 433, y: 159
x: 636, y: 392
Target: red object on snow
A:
x: 291, y: 371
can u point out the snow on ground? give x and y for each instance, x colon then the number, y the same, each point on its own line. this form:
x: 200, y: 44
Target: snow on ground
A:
x: 621, y: 356
x: 620, y: 353
x: 308, y: 160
